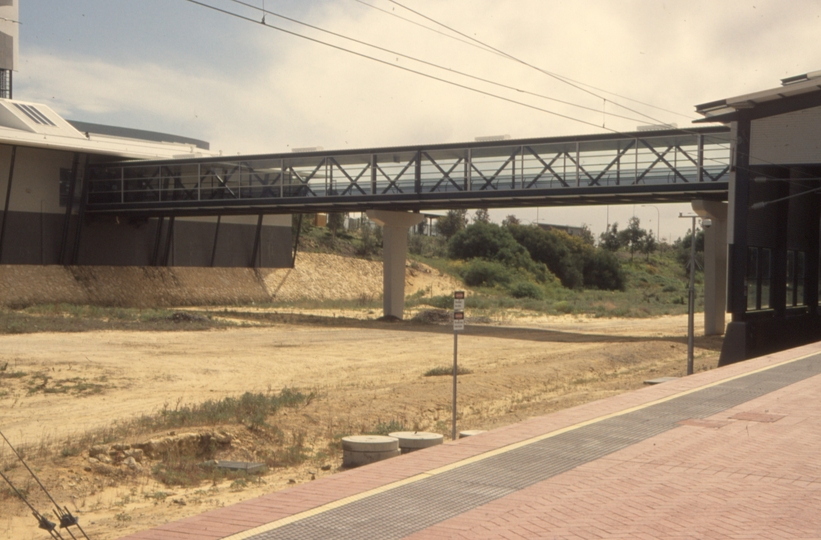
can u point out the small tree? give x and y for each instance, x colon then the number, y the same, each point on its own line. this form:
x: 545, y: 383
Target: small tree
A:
x: 510, y: 220
x: 587, y: 235
x: 610, y: 239
x: 633, y: 236
x: 649, y: 245
x: 481, y: 216
x: 451, y: 223
x: 336, y: 221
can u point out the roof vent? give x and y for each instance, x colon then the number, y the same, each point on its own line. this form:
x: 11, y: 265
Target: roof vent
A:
x: 801, y: 78
x: 492, y: 138
x: 656, y: 127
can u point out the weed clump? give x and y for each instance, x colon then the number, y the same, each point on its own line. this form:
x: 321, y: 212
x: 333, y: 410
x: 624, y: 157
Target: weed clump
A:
x: 250, y: 409
x: 440, y: 371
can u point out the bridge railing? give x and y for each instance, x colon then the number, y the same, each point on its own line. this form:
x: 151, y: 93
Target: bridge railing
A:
x: 647, y: 160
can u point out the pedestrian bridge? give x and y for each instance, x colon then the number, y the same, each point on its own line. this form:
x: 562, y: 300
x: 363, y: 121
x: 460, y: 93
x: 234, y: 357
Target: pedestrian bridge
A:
x: 622, y: 168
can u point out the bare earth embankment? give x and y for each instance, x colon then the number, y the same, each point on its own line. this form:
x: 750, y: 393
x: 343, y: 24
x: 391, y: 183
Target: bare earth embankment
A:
x: 360, y: 374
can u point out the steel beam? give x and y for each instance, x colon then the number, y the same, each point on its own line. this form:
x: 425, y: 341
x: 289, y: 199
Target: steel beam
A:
x: 6, y: 204
x: 72, y: 186
x: 157, y: 241
x: 257, y: 238
x: 216, y: 237
x: 169, y: 241
x: 81, y: 214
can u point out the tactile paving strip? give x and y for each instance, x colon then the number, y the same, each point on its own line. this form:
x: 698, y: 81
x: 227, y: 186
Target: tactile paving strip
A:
x: 412, y: 507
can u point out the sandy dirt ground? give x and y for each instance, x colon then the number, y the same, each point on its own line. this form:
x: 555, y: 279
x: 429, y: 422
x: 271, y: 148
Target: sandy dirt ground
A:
x: 362, y: 372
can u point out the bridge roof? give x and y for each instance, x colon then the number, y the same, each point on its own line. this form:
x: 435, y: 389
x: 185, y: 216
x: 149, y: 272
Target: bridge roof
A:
x: 592, y: 142
x: 795, y: 93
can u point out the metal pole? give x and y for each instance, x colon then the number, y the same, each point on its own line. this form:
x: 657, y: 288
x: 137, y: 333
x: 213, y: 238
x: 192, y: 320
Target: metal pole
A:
x: 455, y: 370
x: 692, y: 300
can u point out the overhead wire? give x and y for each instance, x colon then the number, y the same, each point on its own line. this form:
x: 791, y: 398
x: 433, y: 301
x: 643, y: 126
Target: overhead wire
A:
x: 480, y: 45
x: 425, y: 62
x: 566, y: 80
x: 434, y: 30
x: 403, y: 68
x: 42, y: 521
x: 65, y: 516
x: 520, y: 61
x: 453, y: 83
x: 576, y: 84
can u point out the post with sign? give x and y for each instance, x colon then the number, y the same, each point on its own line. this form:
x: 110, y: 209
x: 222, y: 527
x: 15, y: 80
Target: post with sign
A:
x: 458, y: 326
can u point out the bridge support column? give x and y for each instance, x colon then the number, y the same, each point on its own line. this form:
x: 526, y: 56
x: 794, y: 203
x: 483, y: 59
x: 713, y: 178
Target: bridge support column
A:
x: 715, y: 265
x: 395, y: 227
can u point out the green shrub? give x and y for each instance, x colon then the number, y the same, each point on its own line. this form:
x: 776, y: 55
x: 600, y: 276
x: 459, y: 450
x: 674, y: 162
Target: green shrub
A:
x: 494, y: 243
x: 526, y: 289
x: 602, y: 270
x: 482, y: 273
x: 575, y: 262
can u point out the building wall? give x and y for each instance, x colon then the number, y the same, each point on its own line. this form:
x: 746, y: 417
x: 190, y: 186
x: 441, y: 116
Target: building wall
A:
x: 35, y: 225
x: 787, y: 138
x: 774, y: 270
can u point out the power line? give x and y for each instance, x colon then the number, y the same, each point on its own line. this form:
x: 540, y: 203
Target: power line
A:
x: 66, y: 518
x: 560, y: 78
x: 452, y: 83
x: 427, y: 63
x: 409, y: 70
x: 482, y: 47
x: 435, y: 31
x: 567, y: 80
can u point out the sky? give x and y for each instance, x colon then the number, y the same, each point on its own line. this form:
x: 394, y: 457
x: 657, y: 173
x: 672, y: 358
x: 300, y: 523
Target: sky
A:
x: 177, y: 67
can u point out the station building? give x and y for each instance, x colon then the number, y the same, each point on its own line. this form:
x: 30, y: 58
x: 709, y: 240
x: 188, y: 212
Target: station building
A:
x: 43, y: 159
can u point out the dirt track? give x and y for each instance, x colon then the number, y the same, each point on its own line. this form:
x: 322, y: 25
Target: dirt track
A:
x: 363, y: 372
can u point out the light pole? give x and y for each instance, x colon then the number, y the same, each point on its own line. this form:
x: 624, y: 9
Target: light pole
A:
x: 658, y: 220
x: 691, y: 304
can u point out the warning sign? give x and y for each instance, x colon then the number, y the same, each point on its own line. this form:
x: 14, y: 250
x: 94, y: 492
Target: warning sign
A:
x: 458, y: 320
x: 459, y: 301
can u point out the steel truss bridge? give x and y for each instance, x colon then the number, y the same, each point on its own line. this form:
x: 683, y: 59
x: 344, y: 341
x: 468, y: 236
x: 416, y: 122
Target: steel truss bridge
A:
x: 624, y: 168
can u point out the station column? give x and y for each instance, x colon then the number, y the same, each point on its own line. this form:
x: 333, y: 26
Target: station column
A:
x: 715, y: 265
x: 395, y: 227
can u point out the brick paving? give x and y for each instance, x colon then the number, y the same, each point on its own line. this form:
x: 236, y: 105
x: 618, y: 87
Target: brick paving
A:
x: 750, y: 471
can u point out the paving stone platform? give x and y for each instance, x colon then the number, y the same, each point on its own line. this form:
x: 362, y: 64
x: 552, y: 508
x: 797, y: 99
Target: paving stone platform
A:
x: 730, y: 453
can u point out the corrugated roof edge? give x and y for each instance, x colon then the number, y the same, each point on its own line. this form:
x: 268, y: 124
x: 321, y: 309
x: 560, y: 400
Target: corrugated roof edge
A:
x: 130, y: 133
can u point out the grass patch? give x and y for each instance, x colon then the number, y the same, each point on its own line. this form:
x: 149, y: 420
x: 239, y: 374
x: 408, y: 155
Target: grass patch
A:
x: 77, y: 318
x: 250, y: 409
x: 42, y: 383
x: 383, y: 428
x: 188, y: 471
x: 440, y: 371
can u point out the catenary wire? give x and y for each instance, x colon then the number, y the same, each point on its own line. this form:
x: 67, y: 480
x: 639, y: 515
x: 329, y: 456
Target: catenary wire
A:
x: 452, y: 83
x: 409, y: 70
x: 427, y: 63
x: 484, y: 47
x: 66, y: 518
x: 43, y: 523
x: 434, y: 30
x: 569, y: 81
x: 520, y: 61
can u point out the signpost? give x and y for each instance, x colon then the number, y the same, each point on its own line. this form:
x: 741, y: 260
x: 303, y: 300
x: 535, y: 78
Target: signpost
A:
x: 458, y: 326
